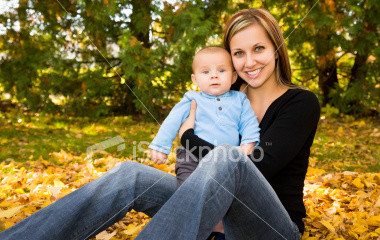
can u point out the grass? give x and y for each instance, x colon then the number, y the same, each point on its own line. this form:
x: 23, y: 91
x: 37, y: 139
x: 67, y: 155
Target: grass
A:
x: 341, y: 144
x: 41, y: 135
x: 347, y: 144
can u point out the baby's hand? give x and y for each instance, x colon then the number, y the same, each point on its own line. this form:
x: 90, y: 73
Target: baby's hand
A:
x: 247, y: 148
x: 158, y: 157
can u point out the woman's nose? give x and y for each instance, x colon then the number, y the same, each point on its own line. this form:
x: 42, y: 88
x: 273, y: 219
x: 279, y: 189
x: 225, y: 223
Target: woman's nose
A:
x: 250, y: 61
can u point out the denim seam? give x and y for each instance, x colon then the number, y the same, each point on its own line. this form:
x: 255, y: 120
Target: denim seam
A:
x: 107, y: 217
x: 221, y: 184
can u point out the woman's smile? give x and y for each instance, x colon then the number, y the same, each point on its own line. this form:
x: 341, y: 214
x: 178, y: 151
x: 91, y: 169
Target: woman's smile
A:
x: 255, y: 73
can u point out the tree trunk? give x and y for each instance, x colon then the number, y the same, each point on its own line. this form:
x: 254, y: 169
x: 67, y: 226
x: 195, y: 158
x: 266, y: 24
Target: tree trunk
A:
x: 327, y: 68
x: 141, y: 20
x: 359, y: 70
x: 327, y: 79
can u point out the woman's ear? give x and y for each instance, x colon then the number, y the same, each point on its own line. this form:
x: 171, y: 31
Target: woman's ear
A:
x: 234, y: 77
x: 194, y: 79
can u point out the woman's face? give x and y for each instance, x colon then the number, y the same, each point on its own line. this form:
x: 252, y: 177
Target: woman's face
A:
x: 253, y: 56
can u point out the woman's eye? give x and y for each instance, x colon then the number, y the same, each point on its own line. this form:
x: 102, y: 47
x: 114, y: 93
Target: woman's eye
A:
x: 238, y: 53
x: 259, y: 48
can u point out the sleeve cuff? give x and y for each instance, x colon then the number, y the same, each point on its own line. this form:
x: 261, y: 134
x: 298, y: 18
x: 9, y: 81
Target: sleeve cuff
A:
x: 159, y: 148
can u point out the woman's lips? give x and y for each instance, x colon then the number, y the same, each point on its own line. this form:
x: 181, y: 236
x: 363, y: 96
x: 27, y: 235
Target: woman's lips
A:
x: 254, y: 74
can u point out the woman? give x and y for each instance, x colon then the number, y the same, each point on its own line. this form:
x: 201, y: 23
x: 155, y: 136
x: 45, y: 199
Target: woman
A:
x: 256, y: 200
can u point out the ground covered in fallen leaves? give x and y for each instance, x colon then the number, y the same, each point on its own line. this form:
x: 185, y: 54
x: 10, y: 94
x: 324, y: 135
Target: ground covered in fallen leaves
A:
x: 341, y: 194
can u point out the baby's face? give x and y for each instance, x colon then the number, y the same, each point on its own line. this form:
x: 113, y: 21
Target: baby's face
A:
x: 213, y: 72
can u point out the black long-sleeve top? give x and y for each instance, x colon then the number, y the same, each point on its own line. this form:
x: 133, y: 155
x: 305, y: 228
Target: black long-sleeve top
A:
x: 287, y: 132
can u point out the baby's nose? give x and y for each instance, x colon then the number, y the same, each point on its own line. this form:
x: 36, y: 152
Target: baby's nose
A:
x: 214, y: 74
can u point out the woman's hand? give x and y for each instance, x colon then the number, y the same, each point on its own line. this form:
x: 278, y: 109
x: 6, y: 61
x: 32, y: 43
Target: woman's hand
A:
x: 190, y: 121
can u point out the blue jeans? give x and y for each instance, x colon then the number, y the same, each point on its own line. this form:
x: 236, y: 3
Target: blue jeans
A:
x: 226, y: 185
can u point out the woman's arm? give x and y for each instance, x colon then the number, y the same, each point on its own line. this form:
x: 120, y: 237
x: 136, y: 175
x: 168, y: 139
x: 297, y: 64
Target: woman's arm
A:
x: 197, y: 146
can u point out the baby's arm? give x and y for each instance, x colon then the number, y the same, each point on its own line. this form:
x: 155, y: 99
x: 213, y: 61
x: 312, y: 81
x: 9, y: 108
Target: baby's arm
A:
x: 248, y: 127
x: 163, y: 141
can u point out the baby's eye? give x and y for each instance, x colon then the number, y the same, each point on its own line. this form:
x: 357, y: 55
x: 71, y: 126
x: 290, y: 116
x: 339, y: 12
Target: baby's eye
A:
x: 222, y: 70
x: 259, y: 48
x: 205, y: 72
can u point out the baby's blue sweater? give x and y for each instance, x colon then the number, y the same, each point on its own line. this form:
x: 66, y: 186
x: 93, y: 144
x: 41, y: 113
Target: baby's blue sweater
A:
x: 219, y: 119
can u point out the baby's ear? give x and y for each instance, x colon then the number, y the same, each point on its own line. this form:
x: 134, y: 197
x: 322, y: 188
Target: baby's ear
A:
x: 194, y: 79
x: 234, y: 77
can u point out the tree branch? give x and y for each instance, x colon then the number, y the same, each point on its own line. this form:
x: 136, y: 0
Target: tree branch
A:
x: 304, y: 81
x: 300, y: 69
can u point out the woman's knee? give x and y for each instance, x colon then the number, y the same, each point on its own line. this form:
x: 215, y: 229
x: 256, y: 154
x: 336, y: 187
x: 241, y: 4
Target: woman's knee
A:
x: 227, y: 153
x: 223, y: 157
x: 126, y: 169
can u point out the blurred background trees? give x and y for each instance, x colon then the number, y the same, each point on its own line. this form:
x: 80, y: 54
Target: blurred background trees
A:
x: 128, y: 57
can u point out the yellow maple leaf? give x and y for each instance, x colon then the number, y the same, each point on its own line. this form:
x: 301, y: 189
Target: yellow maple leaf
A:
x: 377, y: 204
x: 105, y: 235
x: 358, y: 183
x: 359, y: 229
x: 58, y: 183
x: 312, y: 171
x: 8, y: 225
x: 374, y: 221
x: 371, y: 234
x: 162, y: 167
x: 10, y: 212
x: 313, y: 215
x: 328, y: 226
x: 132, y: 229
x: 19, y: 191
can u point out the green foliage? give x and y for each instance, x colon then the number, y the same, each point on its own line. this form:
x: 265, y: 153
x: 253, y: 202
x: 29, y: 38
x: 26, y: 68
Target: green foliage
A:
x: 160, y: 75
x: 335, y: 46
x: 68, y: 55
x: 329, y: 111
x: 113, y: 57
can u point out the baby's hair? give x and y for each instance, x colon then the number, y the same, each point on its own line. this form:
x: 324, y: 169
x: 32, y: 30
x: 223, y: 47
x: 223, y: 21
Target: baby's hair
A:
x: 209, y: 49
x: 213, y: 48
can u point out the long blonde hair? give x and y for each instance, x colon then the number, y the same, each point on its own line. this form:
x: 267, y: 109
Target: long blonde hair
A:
x: 246, y: 18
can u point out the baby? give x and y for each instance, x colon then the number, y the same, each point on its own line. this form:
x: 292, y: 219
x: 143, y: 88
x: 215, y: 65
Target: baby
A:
x: 221, y: 116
